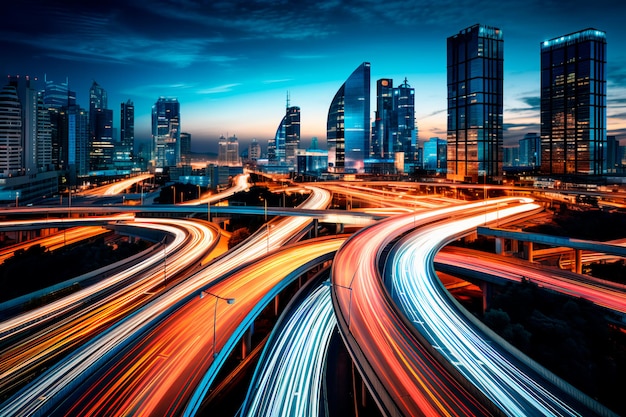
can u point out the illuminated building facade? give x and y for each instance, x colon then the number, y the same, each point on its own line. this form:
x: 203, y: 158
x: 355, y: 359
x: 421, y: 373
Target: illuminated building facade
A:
x: 475, y: 106
x: 348, y: 123
x: 166, y: 132
x: 573, y: 104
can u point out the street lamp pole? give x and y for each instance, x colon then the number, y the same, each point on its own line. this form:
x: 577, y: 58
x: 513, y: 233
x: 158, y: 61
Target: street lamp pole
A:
x: 217, y: 298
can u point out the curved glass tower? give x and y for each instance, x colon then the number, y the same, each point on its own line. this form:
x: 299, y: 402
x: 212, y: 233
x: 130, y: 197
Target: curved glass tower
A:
x: 348, y: 123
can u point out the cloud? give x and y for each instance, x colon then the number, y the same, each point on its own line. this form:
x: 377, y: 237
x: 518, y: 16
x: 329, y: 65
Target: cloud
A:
x: 219, y: 89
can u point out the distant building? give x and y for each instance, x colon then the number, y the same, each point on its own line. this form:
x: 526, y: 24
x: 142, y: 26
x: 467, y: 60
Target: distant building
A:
x: 101, y: 146
x: 475, y: 104
x: 125, y: 147
x: 510, y: 156
x: 10, y: 132
x: 435, y: 154
x: 185, y: 148
x: 348, y: 123
x: 228, y: 151
x: 166, y: 132
x: 613, y: 160
x: 58, y: 97
x: 254, y: 150
x: 311, y: 161
x: 530, y: 151
x: 393, y: 130
x: 573, y: 104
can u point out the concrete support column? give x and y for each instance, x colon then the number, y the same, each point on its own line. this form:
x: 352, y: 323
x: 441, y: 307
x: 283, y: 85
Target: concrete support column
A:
x: 531, y: 253
x: 485, y: 288
x: 499, y: 246
x: 276, y: 304
x: 315, y: 226
x: 514, y: 245
x: 246, y: 342
x: 579, y: 262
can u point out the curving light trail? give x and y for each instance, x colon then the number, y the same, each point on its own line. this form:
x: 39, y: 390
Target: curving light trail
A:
x: 135, y: 286
x: 422, y: 298
x: 288, y: 379
x: 404, y: 376
x: 60, y: 381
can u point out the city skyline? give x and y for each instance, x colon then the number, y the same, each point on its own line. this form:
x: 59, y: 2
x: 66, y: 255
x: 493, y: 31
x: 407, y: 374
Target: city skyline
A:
x: 222, y: 60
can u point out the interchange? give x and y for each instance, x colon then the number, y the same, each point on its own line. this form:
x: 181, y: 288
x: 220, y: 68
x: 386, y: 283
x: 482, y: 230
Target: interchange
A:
x: 266, y: 243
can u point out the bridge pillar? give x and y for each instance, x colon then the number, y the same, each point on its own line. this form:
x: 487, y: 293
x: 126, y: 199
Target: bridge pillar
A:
x: 315, y: 226
x: 276, y: 304
x: 578, y: 264
x: 499, y: 246
x: 246, y: 342
x: 530, y: 253
x: 514, y: 246
x: 485, y: 288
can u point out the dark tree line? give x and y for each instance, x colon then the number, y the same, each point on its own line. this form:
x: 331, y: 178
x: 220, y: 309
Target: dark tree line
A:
x: 36, y: 268
x: 571, y: 337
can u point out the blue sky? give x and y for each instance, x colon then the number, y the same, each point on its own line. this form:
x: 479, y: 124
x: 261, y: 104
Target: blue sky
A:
x: 231, y: 63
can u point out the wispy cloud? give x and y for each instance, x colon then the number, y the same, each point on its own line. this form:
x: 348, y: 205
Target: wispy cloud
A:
x: 219, y: 89
x: 284, y: 80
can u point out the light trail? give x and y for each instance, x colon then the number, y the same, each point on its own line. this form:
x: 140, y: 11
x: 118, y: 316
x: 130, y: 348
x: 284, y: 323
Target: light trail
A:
x: 403, y: 376
x: 60, y: 381
x: 516, y: 389
x: 93, y: 315
x: 289, y: 376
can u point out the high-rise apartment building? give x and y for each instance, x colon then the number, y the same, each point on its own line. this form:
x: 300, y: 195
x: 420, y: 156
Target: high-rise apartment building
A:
x: 348, y: 123
x: 573, y: 104
x: 10, y: 132
x: 475, y: 106
x: 166, y: 132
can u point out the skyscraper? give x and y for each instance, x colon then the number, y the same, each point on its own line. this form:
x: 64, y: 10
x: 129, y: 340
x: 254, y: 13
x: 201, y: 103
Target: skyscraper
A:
x: 57, y: 98
x: 125, y: 147
x: 475, y: 86
x: 573, y: 104
x: 185, y: 148
x: 287, y: 139
x: 530, y: 151
x: 166, y: 132
x: 101, y: 129
x: 348, y: 123
x: 394, y: 124
x: 228, y: 151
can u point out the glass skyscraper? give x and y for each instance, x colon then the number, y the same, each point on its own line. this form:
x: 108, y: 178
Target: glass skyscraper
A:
x: 101, y: 129
x: 573, y: 104
x: 475, y: 86
x: 282, y: 150
x: 348, y: 123
x: 166, y: 132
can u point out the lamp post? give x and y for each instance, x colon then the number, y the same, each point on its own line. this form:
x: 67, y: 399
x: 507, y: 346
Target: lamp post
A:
x: 217, y: 298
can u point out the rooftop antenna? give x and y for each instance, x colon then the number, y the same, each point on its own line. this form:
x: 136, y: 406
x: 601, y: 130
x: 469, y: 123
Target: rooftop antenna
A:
x: 287, y: 98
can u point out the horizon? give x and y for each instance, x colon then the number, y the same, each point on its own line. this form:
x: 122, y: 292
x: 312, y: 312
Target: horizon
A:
x: 231, y: 65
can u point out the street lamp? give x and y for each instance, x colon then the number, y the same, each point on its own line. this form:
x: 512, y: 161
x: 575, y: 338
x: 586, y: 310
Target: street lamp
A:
x: 217, y: 298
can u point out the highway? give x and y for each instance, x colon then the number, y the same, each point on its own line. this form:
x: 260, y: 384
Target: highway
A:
x: 40, y: 336
x: 404, y: 377
x: 61, y: 380
x: 289, y: 375
x: 159, y: 374
x: 505, y: 268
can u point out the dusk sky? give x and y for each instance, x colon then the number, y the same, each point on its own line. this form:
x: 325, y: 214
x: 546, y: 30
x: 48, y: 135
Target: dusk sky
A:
x: 231, y: 63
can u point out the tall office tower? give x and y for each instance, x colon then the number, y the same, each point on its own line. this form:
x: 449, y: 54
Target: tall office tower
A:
x: 292, y: 133
x: 404, y: 99
x: 166, y: 132
x: 75, y: 126
x: 475, y: 84
x: 348, y: 123
x: 185, y: 148
x: 384, y: 126
x: 28, y: 98
x: 530, y: 151
x: 254, y: 150
x: 127, y: 128
x: 573, y: 104
x: 10, y: 132
x: 58, y: 96
x: 101, y: 147
x: 287, y: 138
